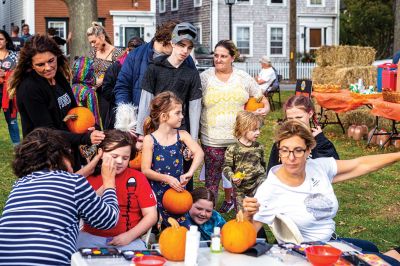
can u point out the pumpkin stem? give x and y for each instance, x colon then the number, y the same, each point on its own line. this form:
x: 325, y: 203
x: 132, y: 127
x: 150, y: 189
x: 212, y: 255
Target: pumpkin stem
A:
x: 173, y: 222
x: 239, y: 216
x: 71, y: 116
x: 259, y: 99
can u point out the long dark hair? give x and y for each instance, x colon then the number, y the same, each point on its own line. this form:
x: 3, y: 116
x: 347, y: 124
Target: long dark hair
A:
x: 10, y: 45
x: 43, y: 148
x: 36, y: 45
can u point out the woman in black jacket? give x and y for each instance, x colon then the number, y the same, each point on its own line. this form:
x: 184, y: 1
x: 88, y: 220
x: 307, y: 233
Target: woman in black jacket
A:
x: 44, y: 96
x: 301, y: 108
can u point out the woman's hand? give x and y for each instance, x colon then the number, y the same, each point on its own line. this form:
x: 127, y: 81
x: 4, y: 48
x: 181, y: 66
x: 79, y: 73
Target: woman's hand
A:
x: 108, y: 172
x: 316, y: 130
x: 121, y: 240
x: 174, y: 183
x: 250, y: 207
x: 96, y: 136
x: 185, y: 178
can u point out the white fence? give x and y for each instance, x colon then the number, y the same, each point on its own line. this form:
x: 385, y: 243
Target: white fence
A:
x: 304, y: 70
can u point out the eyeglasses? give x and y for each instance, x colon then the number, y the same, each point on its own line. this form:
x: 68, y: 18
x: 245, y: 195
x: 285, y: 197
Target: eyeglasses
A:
x: 297, y: 152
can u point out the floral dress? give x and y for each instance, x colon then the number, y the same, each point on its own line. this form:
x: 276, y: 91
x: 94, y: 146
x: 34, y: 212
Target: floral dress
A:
x: 167, y: 160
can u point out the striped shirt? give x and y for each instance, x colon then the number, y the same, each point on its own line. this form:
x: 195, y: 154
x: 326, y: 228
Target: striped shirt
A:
x: 40, y: 222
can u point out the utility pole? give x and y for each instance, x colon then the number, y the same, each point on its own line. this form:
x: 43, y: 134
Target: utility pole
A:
x: 293, y: 40
x: 396, y: 44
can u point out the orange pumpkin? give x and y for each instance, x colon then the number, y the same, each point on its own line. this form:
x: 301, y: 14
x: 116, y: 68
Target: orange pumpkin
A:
x: 172, y: 241
x: 253, y: 104
x: 177, y: 202
x: 79, y: 119
x: 136, y: 163
x: 238, y: 235
x: 373, y: 137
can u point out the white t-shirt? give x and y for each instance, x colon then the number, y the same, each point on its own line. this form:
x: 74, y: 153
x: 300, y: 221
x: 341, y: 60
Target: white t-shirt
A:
x: 312, y: 205
x: 268, y: 75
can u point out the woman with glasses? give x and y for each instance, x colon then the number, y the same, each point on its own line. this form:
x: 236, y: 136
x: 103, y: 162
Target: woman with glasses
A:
x: 301, y: 188
x: 44, y: 96
x: 301, y: 108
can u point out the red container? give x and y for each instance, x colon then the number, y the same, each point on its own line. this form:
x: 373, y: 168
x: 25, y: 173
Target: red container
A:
x: 389, y: 78
x: 322, y: 255
x: 149, y: 260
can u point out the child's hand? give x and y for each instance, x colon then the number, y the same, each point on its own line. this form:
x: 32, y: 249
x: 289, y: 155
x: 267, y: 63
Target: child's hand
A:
x: 121, y: 240
x: 237, y: 181
x: 174, y: 183
x: 185, y: 178
x: 316, y: 130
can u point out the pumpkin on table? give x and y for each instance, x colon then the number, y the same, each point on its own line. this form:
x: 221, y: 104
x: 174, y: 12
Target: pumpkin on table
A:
x: 253, y: 104
x: 136, y: 163
x: 238, y: 234
x: 79, y: 119
x: 177, y: 202
x: 172, y: 241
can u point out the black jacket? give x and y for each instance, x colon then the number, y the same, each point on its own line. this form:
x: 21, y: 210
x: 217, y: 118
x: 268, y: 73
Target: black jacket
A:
x: 38, y: 107
x: 109, y: 81
x: 324, y: 148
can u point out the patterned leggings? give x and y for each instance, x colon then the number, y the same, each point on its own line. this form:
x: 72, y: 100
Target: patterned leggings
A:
x: 214, y: 158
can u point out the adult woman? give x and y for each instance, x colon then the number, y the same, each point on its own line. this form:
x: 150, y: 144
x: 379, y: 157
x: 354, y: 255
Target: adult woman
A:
x: 40, y: 221
x: 43, y: 93
x: 136, y: 201
x: 301, y: 108
x: 103, y: 55
x: 301, y: 189
x: 225, y: 92
x: 202, y: 212
x: 8, y: 61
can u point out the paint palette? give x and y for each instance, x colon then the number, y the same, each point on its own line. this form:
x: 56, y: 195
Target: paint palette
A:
x: 99, y: 252
x: 130, y: 254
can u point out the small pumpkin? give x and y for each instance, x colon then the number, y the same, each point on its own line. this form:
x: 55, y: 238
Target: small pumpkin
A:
x: 364, y: 130
x: 253, y: 104
x: 79, y: 119
x: 358, y: 133
x: 372, y: 137
x: 172, y: 241
x: 350, y: 131
x: 177, y: 202
x: 136, y: 163
x: 238, y: 234
x: 381, y: 139
x: 396, y: 142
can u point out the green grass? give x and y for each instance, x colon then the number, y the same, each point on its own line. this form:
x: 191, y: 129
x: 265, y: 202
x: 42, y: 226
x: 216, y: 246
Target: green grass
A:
x: 369, y: 206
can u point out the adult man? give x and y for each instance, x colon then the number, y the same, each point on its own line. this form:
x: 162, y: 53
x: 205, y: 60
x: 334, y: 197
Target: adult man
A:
x: 267, y: 74
x: 168, y: 73
x: 25, y: 33
x: 17, y: 41
x: 128, y: 86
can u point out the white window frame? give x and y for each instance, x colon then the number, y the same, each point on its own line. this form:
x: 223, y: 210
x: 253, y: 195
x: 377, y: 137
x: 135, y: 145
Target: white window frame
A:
x: 244, y: 3
x: 250, y: 26
x: 269, y: 3
x: 199, y: 28
x: 161, y: 6
x: 197, y: 3
x: 284, y: 39
x: 315, y: 5
x: 172, y: 5
x: 64, y: 22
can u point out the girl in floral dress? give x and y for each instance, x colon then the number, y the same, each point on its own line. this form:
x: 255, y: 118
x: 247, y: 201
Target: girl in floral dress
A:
x: 162, y: 158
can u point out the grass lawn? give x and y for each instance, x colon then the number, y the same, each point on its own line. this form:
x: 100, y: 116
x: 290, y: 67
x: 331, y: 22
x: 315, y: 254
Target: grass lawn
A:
x: 369, y: 206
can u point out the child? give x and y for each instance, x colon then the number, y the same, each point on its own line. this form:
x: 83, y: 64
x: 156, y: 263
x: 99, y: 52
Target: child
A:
x: 244, y: 161
x: 136, y: 200
x: 162, y: 157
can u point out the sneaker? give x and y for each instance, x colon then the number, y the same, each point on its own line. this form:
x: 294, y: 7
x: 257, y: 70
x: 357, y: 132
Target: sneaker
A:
x: 226, y: 207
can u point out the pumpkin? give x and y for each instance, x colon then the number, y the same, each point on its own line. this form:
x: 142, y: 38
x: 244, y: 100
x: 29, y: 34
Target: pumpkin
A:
x: 177, y: 202
x: 172, y: 241
x: 136, y: 163
x: 253, y: 104
x: 238, y: 235
x: 358, y: 133
x: 79, y: 119
x: 396, y: 142
x: 364, y: 130
x: 382, y: 139
x: 372, y: 137
x: 350, y: 131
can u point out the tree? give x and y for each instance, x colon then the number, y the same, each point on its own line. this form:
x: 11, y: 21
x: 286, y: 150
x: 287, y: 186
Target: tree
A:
x: 396, y: 43
x: 368, y: 23
x: 81, y: 15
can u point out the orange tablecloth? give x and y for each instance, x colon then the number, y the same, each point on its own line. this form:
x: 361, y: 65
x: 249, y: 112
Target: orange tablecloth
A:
x: 385, y: 109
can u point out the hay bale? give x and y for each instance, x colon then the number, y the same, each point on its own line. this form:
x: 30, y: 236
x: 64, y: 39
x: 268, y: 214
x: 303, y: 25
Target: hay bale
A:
x: 345, y: 56
x: 344, y: 75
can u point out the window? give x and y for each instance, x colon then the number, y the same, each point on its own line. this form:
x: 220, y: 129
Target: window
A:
x: 174, y: 5
x: 161, y: 6
x: 276, y: 37
x: 130, y: 32
x: 246, y: 2
x: 243, y: 36
x: 60, y: 25
x: 197, y: 3
x: 316, y: 3
x: 199, y: 32
x: 277, y: 2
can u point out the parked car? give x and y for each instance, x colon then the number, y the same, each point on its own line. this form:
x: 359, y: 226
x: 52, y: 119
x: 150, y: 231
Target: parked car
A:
x: 203, y: 57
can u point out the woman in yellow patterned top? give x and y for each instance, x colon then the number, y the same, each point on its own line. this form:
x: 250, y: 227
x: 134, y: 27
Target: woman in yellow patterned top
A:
x: 225, y: 92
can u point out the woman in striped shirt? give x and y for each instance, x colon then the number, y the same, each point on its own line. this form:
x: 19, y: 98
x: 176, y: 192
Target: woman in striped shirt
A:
x: 40, y: 222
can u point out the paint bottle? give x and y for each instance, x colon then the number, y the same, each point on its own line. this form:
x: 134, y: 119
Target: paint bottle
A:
x: 192, y: 246
x: 216, y: 240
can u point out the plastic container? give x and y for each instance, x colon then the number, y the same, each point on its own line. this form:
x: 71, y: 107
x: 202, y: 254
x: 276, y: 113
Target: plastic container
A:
x: 192, y: 246
x: 322, y: 255
x: 149, y: 260
x: 389, y: 78
x: 379, y: 71
x: 216, y: 246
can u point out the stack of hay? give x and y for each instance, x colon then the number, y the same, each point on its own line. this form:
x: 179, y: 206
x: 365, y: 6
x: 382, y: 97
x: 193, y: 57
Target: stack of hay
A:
x: 344, y: 65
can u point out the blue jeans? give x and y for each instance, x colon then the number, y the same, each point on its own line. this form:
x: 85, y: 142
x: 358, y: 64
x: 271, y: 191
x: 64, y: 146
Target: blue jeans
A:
x: 13, y: 129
